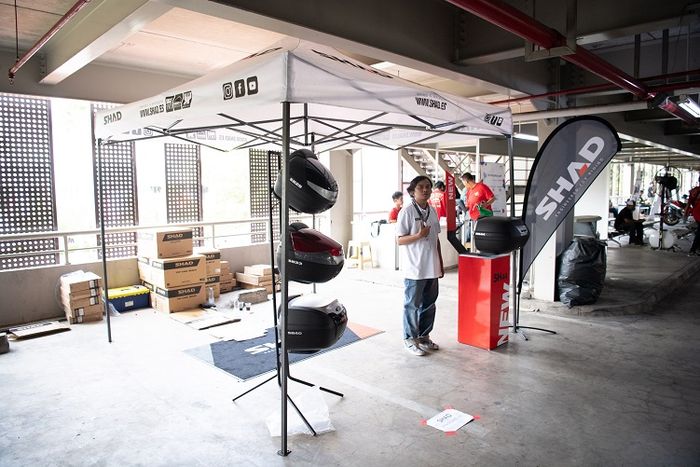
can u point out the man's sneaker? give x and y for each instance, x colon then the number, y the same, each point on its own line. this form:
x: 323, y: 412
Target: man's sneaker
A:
x: 427, y: 345
x: 413, y: 348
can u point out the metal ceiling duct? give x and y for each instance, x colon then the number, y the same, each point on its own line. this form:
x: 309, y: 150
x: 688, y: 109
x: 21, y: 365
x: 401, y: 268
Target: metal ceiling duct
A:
x: 515, y: 21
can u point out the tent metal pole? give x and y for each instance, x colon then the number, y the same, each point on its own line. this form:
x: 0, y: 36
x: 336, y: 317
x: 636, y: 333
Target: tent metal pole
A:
x: 105, y: 287
x: 284, y: 208
x: 306, y: 126
x: 313, y: 149
x: 512, y: 300
x: 272, y: 258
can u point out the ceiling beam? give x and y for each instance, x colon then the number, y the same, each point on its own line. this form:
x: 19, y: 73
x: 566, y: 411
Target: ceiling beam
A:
x: 676, y: 128
x: 96, y: 29
x: 648, y: 115
x: 412, y: 33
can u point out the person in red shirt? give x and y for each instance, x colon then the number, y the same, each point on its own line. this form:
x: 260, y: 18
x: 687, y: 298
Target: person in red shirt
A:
x: 397, y: 197
x: 437, y: 199
x: 478, y: 195
x: 694, y: 208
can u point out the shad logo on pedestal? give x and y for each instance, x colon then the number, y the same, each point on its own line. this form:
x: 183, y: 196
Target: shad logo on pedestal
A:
x: 504, y: 324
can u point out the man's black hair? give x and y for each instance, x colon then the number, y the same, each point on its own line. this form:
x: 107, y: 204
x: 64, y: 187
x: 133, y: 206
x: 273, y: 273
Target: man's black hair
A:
x: 412, y: 186
x: 396, y: 195
x: 440, y: 185
x: 468, y: 177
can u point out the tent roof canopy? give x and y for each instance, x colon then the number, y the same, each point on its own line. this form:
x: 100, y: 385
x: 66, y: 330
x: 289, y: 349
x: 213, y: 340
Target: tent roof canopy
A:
x: 337, y: 102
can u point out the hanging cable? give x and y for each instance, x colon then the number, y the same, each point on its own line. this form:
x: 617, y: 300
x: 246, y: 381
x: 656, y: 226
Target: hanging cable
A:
x: 16, y: 40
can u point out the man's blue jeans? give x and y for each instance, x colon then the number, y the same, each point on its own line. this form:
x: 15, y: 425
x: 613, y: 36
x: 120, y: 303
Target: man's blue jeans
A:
x: 419, y: 307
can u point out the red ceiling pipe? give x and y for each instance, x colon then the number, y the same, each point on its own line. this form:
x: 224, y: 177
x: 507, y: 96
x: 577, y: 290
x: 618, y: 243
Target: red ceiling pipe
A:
x: 513, y: 20
x: 674, y: 86
x: 674, y: 109
x: 591, y: 62
x: 581, y: 90
x: 45, y: 38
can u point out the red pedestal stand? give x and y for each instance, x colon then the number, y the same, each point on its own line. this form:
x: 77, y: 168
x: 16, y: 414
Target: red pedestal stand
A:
x: 484, y: 291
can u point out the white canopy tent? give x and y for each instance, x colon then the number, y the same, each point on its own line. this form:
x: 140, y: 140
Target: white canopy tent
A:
x: 339, y: 100
x: 297, y: 94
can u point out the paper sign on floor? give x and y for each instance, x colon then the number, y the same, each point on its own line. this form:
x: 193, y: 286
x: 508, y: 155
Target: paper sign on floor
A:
x: 450, y: 420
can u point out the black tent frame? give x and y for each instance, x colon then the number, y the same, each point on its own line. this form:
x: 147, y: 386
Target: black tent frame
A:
x: 343, y: 134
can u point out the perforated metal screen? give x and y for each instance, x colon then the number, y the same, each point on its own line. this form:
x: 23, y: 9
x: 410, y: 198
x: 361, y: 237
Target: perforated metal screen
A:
x: 259, y: 191
x: 120, y: 202
x: 27, y: 197
x: 183, y: 184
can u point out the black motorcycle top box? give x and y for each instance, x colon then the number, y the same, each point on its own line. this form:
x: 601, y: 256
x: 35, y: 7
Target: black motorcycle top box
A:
x: 498, y: 235
x: 312, y: 187
x: 312, y: 256
x: 314, y: 322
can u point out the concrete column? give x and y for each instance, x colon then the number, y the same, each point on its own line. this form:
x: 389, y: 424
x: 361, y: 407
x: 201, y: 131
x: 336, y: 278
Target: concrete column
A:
x: 340, y: 165
x: 595, y: 202
x: 627, y: 180
x: 543, y: 276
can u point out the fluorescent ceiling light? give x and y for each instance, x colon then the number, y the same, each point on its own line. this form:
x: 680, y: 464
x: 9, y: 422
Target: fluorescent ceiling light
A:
x: 690, y: 106
x: 525, y: 136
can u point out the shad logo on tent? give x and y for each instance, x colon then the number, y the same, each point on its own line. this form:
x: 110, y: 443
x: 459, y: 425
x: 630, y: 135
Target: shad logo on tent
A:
x: 179, y: 101
x: 494, y: 120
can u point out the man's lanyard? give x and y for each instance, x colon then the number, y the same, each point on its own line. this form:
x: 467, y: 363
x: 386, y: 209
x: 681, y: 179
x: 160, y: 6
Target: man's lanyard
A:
x: 420, y: 213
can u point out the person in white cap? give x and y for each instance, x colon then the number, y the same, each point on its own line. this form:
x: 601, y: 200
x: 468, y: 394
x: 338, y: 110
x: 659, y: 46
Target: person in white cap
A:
x: 625, y: 222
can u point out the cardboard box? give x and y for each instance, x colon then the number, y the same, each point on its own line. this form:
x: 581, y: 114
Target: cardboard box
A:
x: 166, y: 243
x: 80, y: 280
x: 253, y: 279
x: 84, y: 319
x: 144, y: 265
x: 258, y: 270
x: 181, y: 298
x: 225, y: 267
x: 174, y: 272
x: 267, y: 287
x: 80, y: 294
x: 84, y: 314
x: 213, y: 257
x: 227, y: 277
x: 80, y: 302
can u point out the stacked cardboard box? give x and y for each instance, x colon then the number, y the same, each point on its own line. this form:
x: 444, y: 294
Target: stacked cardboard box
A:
x: 175, y: 276
x: 213, y: 258
x: 80, y: 295
x: 227, y: 282
x: 256, y: 276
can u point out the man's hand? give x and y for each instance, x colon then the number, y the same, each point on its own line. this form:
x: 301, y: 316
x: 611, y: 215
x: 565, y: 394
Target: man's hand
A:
x: 424, y: 231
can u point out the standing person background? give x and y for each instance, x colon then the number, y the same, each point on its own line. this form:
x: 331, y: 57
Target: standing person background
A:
x: 417, y: 232
x: 437, y: 199
x: 693, y: 207
x: 397, y: 197
x: 478, y: 195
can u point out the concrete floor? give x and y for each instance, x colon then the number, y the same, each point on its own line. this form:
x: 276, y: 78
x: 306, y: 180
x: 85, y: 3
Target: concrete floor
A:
x: 606, y: 390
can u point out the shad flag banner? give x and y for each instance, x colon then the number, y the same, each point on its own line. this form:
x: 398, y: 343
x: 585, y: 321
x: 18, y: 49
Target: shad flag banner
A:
x: 567, y: 163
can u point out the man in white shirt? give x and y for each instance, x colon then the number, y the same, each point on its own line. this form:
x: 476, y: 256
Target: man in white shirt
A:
x: 417, y: 230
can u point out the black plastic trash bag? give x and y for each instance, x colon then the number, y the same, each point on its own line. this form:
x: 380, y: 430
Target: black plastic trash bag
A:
x: 582, y: 271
